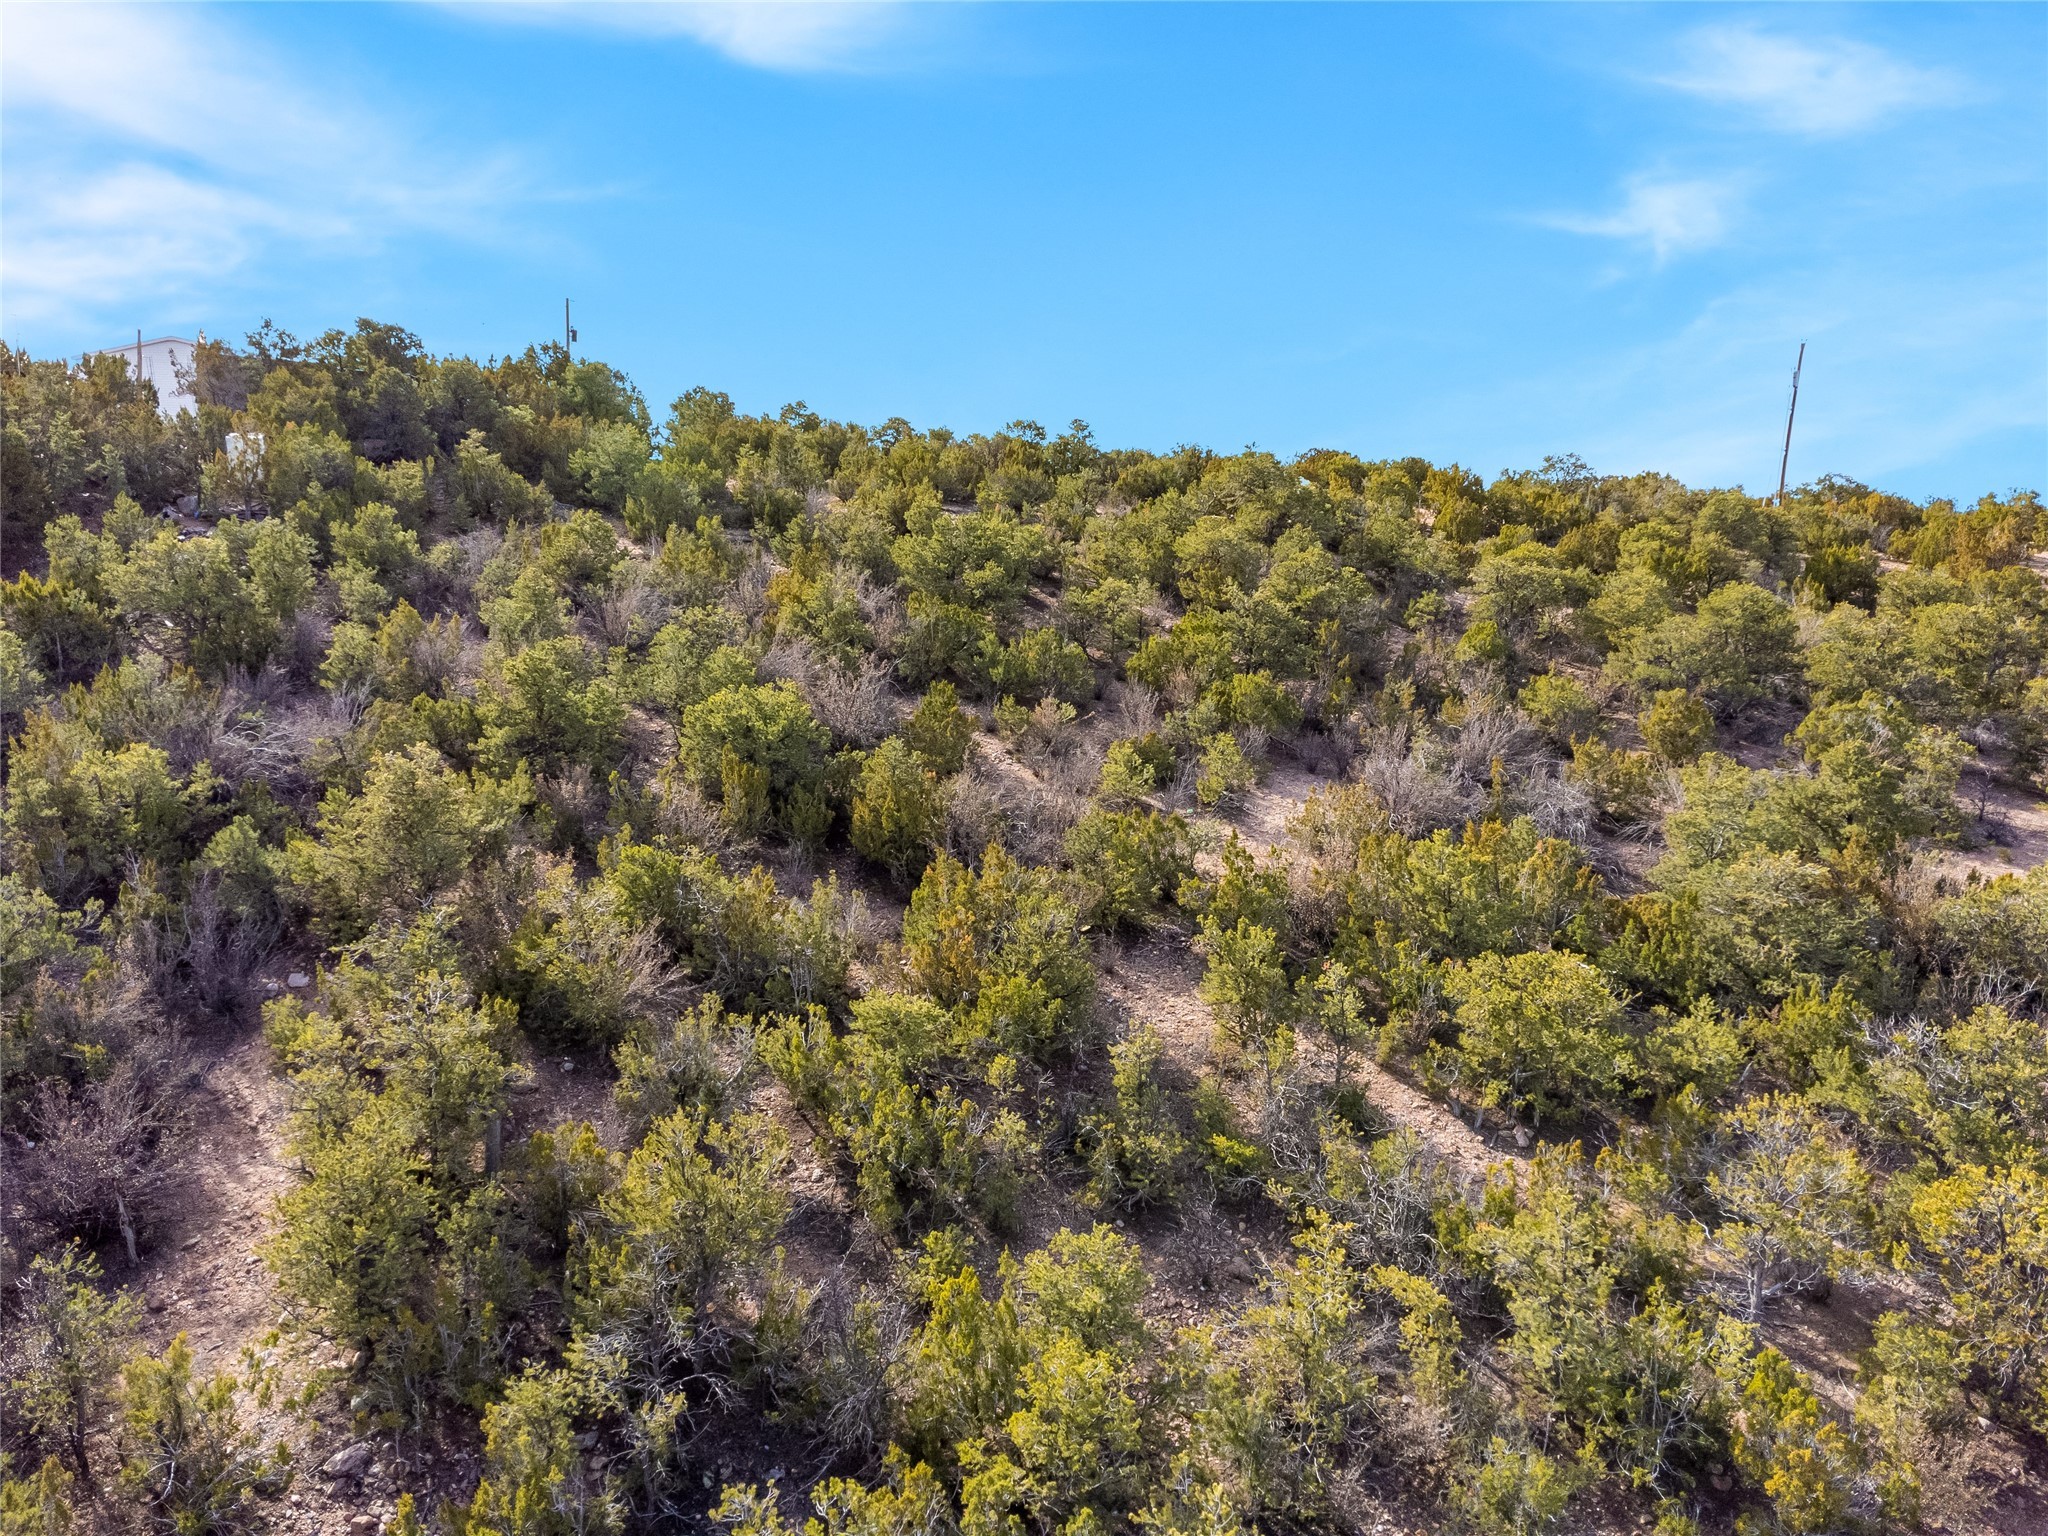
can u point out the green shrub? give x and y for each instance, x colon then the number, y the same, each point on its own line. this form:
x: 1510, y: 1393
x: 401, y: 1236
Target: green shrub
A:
x: 1041, y: 663
x: 676, y: 1260
x: 1132, y: 1145
x: 1676, y: 727
x: 1788, y: 1447
x: 1538, y: 1034
x: 939, y: 730
x: 1127, y: 775
x: 1795, y: 1200
x: 1561, y: 707
x: 1517, y: 1492
x: 579, y: 971
x: 1740, y: 647
x: 1295, y: 1399
x: 1622, y: 783
x: 1132, y: 862
x: 415, y: 829
x: 39, y: 1504
x: 1247, y: 984
x: 1002, y: 941
x: 69, y: 1345
x: 1225, y: 771
x: 897, y: 809
x: 694, y: 1062
x: 549, y: 707
x: 184, y: 1451
x: 767, y: 727
x: 536, y: 1480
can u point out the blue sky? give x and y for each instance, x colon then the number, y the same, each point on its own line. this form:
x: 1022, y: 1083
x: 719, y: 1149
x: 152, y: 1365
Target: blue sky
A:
x: 1474, y: 233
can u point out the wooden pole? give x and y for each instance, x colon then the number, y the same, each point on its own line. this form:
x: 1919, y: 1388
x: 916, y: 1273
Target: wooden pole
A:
x: 1785, y: 459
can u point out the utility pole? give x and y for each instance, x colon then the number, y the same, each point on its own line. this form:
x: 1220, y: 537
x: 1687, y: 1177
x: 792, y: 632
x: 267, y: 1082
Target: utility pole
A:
x: 568, y: 331
x: 1786, y: 459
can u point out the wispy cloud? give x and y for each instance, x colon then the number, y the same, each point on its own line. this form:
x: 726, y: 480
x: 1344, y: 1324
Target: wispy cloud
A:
x: 152, y: 150
x: 1668, y: 215
x: 1825, y: 87
x: 793, y: 36
x: 1902, y: 372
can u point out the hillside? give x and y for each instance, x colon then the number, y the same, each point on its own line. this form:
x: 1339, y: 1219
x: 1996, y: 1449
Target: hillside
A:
x: 566, y: 974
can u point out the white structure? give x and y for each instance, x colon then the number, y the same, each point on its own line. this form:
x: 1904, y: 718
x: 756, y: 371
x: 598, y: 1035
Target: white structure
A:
x: 158, y: 362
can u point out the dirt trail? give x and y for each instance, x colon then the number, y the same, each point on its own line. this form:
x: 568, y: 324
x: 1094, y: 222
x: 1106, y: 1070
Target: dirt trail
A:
x: 206, y: 1279
x: 1468, y: 1153
x: 2011, y: 833
x: 1157, y: 982
x: 1261, y: 816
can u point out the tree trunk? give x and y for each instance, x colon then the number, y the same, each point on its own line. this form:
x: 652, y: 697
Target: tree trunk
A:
x: 127, y: 1227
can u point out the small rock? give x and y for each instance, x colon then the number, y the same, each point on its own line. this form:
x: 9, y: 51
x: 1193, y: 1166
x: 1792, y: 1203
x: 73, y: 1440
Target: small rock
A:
x: 1240, y: 1271
x: 298, y: 979
x: 364, y: 1524
x: 775, y: 1474
x: 1722, y: 1482
x: 568, y: 1066
x: 156, y: 1303
x: 348, y: 1461
x: 1523, y: 1138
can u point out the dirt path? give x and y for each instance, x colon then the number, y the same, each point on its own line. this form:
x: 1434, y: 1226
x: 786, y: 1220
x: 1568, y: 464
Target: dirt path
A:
x: 206, y: 1279
x: 1261, y: 817
x: 1158, y: 981
x: 1465, y: 1150
x: 2011, y: 834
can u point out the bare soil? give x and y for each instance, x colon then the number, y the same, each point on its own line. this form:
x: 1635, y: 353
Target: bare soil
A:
x: 207, y: 1280
x: 2007, y: 834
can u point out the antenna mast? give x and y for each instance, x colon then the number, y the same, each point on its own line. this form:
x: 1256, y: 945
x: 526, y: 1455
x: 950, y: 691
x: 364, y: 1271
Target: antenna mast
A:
x: 568, y: 332
x: 1786, y: 458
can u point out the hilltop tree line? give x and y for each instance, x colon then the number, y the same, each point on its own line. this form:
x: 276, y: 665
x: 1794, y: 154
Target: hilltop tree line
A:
x: 554, y: 730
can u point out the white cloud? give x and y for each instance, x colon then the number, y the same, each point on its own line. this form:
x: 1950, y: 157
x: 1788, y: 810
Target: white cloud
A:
x: 1669, y: 215
x: 152, y: 152
x: 795, y: 36
x: 1824, y: 87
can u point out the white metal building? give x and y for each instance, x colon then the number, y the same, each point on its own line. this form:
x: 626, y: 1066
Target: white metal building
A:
x: 158, y: 361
